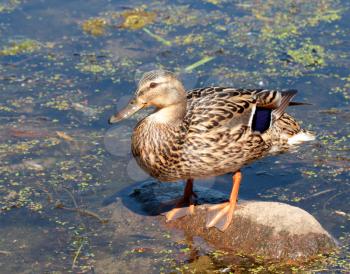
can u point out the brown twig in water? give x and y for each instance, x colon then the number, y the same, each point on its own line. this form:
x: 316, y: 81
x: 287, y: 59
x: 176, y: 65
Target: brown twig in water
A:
x: 81, y: 211
x: 319, y: 193
x: 332, y: 198
x: 85, y: 212
x: 77, y: 254
x: 71, y: 196
x: 6, y: 253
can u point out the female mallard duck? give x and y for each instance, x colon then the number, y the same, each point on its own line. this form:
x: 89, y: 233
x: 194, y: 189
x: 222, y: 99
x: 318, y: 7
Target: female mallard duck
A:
x: 207, y: 132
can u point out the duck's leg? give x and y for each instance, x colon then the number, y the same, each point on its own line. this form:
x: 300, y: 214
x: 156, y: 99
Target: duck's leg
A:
x: 184, y: 205
x: 220, y: 215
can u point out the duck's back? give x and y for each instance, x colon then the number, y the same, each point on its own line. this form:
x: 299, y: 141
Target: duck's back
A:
x: 216, y: 107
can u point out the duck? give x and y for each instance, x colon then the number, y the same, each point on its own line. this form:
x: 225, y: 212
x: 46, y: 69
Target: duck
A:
x: 207, y: 132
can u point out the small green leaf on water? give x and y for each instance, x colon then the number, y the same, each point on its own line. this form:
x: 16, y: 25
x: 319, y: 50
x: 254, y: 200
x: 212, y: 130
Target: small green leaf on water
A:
x: 157, y: 37
x: 201, y: 62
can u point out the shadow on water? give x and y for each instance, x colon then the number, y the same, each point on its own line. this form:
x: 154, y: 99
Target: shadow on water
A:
x: 153, y: 205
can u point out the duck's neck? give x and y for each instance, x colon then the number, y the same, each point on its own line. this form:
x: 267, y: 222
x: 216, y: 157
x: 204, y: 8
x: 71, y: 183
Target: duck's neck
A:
x: 171, y: 115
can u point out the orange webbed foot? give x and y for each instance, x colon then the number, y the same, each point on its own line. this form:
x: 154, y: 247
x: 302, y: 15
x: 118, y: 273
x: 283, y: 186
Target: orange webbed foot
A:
x: 221, y: 215
x: 184, y: 205
x: 182, y: 208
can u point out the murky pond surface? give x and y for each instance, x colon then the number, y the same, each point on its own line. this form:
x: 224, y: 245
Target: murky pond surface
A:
x: 65, y: 66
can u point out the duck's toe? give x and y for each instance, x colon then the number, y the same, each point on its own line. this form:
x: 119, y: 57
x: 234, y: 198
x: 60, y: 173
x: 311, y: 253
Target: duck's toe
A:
x: 220, y: 215
x: 179, y: 212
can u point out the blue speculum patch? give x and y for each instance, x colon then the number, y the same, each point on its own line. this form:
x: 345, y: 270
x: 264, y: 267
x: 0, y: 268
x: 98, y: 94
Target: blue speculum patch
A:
x: 261, y: 119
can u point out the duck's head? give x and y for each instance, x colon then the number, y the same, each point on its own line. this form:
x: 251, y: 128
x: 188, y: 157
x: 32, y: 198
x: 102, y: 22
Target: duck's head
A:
x: 158, y: 88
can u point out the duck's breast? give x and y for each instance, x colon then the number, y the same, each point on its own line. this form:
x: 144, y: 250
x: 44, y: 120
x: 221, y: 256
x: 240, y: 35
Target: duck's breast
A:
x: 158, y: 150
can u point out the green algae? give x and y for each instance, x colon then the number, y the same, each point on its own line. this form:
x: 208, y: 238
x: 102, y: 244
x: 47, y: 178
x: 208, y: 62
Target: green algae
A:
x: 95, y: 26
x: 5, y: 108
x: 137, y: 19
x: 105, y: 67
x: 59, y: 103
x: 325, y: 14
x: 343, y: 89
x: 284, y: 19
x: 214, y: 2
x: 221, y: 261
x: 273, y: 21
x: 308, y: 55
x: 280, y: 27
x: 9, y: 6
x: 94, y: 68
x: 189, y: 39
x: 20, y: 47
x: 18, y: 148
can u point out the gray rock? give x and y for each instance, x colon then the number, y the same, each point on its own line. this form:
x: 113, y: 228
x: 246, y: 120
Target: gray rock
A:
x: 272, y: 230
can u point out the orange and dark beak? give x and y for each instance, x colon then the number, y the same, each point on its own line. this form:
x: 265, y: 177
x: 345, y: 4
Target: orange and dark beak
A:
x: 126, y: 112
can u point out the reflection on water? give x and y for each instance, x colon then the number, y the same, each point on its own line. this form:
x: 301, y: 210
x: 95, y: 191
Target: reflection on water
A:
x: 65, y: 66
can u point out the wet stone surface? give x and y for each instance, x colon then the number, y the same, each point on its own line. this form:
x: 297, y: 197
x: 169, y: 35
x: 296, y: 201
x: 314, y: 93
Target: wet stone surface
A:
x: 270, y: 230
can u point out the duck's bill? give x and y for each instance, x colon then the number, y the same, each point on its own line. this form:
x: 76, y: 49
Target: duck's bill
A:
x: 129, y: 110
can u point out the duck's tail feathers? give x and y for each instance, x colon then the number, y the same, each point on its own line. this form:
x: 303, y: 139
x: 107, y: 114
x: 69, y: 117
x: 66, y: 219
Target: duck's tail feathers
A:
x: 299, y: 104
x: 271, y: 104
x: 286, y: 97
x: 301, y: 137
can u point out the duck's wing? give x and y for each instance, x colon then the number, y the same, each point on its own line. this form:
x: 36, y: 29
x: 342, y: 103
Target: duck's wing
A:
x: 214, y: 107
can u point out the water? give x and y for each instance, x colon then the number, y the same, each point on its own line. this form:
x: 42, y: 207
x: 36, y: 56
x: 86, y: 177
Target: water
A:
x: 65, y: 66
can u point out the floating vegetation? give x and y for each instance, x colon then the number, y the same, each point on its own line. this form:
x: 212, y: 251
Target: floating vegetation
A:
x: 18, y: 148
x: 107, y: 67
x: 196, y: 39
x: 284, y: 19
x: 95, y: 26
x: 10, y: 5
x: 343, y: 89
x: 5, y: 108
x: 59, y: 103
x: 325, y: 13
x: 95, y: 68
x: 20, y: 47
x: 137, y: 19
x: 279, y: 27
x: 103, y: 67
x: 214, y: 2
x: 308, y: 55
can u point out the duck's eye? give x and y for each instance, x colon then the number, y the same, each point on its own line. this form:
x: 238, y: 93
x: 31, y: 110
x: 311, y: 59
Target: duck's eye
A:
x: 152, y: 85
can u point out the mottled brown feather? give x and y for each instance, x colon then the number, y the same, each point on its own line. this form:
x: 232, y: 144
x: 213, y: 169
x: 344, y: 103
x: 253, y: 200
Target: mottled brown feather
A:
x: 214, y: 137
